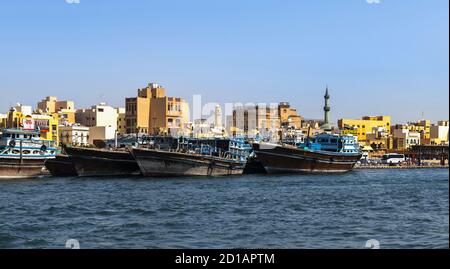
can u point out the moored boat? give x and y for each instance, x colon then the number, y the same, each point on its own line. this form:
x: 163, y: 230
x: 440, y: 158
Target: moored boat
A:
x: 241, y: 149
x: 325, y: 153
x: 102, y: 162
x: 23, y: 154
x: 153, y: 162
x: 62, y: 166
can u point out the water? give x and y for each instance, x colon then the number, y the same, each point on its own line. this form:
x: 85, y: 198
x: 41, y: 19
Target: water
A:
x: 399, y: 208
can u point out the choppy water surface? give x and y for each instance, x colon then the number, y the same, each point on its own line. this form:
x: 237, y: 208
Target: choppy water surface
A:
x: 399, y: 208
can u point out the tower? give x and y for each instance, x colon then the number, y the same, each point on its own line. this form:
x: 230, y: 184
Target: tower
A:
x: 326, y: 124
x: 218, y: 117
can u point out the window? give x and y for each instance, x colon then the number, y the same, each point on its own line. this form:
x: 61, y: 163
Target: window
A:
x: 101, y: 110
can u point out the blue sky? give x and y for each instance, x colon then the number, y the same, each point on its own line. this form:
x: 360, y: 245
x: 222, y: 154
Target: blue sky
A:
x: 387, y: 58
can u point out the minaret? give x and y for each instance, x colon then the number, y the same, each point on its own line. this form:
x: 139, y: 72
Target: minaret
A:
x: 326, y: 125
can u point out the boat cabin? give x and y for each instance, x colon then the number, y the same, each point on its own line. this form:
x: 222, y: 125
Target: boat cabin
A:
x: 347, y: 144
x: 23, y: 144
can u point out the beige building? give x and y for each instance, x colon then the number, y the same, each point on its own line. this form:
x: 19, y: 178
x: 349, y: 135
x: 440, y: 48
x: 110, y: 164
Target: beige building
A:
x: 288, y: 116
x: 137, y: 112
x: 3, y: 120
x: 51, y: 105
x: 98, y: 116
x: 63, y: 111
x: 155, y: 113
x: 121, y: 122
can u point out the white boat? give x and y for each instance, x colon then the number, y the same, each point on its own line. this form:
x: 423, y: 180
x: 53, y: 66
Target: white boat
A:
x: 23, y: 153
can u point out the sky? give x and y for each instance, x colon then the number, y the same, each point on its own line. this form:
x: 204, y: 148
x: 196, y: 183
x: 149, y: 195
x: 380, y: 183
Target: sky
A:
x: 385, y: 58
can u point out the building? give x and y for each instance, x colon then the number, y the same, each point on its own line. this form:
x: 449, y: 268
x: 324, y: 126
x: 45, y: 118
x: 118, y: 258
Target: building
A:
x: 121, y: 122
x: 254, y: 120
x: 379, y: 139
x: 312, y: 123
x: 229, y: 124
x: 405, y: 139
x: 218, y: 117
x: 422, y: 127
x: 155, y: 113
x: 45, y: 124
x: 74, y: 135
x: 63, y: 111
x: 439, y: 133
x: 137, y: 112
x: 51, y: 105
x: 48, y: 127
x: 365, y: 125
x: 288, y: 116
x: 65, y: 117
x: 168, y: 115
x: 98, y: 116
x: 3, y: 120
x: 101, y: 133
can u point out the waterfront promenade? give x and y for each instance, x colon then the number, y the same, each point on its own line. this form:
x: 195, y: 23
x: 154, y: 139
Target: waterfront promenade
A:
x: 401, y: 166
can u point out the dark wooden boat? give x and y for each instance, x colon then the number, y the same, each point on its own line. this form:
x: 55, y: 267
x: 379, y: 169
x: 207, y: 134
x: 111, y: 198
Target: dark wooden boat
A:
x: 102, y: 162
x: 291, y: 159
x: 11, y: 168
x: 254, y: 166
x: 61, y: 166
x: 157, y: 163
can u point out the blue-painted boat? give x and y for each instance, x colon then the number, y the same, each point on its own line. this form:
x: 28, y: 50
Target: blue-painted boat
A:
x: 323, y: 153
x: 23, y: 153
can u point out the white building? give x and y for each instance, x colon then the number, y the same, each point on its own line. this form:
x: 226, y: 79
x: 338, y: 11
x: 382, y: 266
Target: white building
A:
x: 74, y: 135
x: 440, y: 131
x: 101, y: 133
x: 411, y: 138
x: 218, y: 117
x: 25, y: 110
x: 100, y: 115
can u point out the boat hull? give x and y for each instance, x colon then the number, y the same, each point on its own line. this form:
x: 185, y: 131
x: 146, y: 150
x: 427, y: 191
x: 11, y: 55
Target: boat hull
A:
x: 13, y: 168
x: 96, y: 162
x: 254, y: 166
x: 61, y: 166
x: 286, y: 159
x: 164, y: 163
